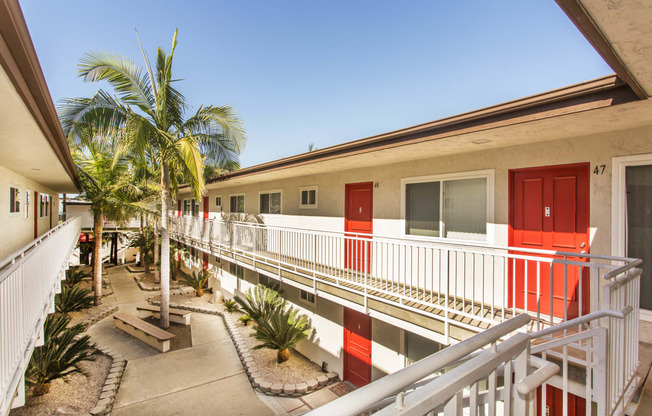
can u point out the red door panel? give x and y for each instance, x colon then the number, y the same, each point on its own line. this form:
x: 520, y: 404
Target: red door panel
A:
x: 549, y: 210
x: 555, y: 403
x: 357, y: 347
x: 358, y: 219
x: 205, y: 207
x: 179, y: 208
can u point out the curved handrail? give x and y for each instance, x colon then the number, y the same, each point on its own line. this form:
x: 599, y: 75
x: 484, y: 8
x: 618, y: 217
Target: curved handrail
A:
x: 358, y: 400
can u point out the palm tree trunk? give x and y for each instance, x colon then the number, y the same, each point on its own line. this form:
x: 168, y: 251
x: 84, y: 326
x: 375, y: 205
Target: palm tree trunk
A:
x: 165, y: 248
x: 146, y: 251
x: 157, y: 275
x: 97, y: 257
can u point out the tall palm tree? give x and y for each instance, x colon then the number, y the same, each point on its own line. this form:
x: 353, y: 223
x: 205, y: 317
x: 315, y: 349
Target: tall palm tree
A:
x: 148, y: 112
x: 105, y: 184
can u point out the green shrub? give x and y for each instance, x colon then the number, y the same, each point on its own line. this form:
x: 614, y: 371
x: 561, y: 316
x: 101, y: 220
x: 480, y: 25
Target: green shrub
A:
x: 230, y: 305
x: 74, y: 275
x: 60, y: 355
x: 260, y: 302
x: 281, y: 331
x: 73, y: 299
x: 245, y: 319
x: 196, y: 281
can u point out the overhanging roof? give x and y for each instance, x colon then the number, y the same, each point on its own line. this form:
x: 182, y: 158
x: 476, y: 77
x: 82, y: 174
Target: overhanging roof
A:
x: 32, y: 142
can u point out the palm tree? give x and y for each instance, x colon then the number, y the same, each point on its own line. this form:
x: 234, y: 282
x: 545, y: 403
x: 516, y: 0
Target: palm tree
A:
x: 104, y: 181
x: 148, y: 112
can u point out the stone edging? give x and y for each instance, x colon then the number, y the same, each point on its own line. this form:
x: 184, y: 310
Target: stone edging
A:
x: 112, y: 382
x: 255, y: 378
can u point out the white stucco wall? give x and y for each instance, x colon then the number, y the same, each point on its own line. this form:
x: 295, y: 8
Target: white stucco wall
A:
x: 17, y: 230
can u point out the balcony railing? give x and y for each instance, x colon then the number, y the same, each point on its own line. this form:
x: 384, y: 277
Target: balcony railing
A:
x: 29, y: 280
x: 467, y: 286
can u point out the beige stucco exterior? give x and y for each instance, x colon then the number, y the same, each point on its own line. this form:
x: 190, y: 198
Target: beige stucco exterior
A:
x: 18, y: 229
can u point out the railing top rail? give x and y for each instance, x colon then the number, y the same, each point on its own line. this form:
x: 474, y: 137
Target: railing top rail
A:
x: 19, y: 255
x: 458, y: 245
x: 582, y: 320
x: 391, y: 384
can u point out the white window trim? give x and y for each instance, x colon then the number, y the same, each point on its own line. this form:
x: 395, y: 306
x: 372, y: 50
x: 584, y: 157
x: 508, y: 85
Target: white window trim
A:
x: 489, y: 174
x: 309, y: 188
x: 619, y: 207
x: 20, y: 200
x: 273, y: 191
x: 242, y: 195
x: 221, y: 206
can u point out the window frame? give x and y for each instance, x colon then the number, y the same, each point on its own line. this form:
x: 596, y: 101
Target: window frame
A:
x: 244, y: 201
x: 308, y: 189
x: 218, y: 207
x: 17, y: 198
x: 305, y: 300
x: 488, y: 174
x: 273, y: 191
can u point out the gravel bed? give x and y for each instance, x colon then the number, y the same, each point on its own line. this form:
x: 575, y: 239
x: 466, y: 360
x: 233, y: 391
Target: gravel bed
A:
x: 296, y: 370
x: 77, y: 395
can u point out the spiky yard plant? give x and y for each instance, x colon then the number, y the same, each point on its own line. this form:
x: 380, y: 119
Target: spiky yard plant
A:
x: 230, y: 305
x: 196, y: 281
x: 281, y: 331
x: 74, y: 275
x: 245, y: 319
x: 260, y: 302
x: 61, y: 354
x: 73, y: 299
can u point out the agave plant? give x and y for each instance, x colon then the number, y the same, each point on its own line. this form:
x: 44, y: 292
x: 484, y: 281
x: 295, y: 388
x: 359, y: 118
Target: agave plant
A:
x: 61, y: 354
x: 73, y: 299
x: 281, y: 331
x: 230, y: 305
x: 196, y: 281
x: 245, y: 319
x: 74, y: 275
x: 260, y: 302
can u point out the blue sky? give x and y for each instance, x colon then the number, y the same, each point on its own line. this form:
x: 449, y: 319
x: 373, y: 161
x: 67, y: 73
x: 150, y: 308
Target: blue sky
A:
x: 301, y: 72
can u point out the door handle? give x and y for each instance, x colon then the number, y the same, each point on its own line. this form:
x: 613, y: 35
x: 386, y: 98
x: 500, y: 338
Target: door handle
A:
x: 583, y: 252
x: 582, y: 245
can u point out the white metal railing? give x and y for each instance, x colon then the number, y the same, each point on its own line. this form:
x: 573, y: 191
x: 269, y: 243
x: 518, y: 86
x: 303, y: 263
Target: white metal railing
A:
x: 29, y: 279
x: 475, y: 286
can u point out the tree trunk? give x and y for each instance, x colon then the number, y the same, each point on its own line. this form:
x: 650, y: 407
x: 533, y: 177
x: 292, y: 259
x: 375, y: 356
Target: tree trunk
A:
x: 283, y: 355
x: 165, y: 248
x: 97, y: 257
x: 157, y: 275
x: 143, y: 256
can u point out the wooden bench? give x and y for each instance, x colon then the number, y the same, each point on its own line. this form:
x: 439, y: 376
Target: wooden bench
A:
x: 177, y: 316
x: 149, y: 334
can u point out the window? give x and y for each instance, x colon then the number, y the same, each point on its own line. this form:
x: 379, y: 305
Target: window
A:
x: 307, y: 296
x: 308, y: 197
x: 237, y: 203
x: 450, y: 207
x: 265, y: 280
x: 218, y: 202
x: 186, y: 207
x: 270, y: 203
x: 14, y: 200
x: 237, y: 270
x: 418, y: 347
x: 190, y: 207
x: 44, y: 208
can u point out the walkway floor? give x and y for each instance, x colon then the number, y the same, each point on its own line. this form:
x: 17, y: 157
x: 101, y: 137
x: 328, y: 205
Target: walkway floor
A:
x: 205, y: 379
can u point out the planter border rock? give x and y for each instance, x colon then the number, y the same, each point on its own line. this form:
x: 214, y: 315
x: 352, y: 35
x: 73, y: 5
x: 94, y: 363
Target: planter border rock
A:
x: 257, y: 381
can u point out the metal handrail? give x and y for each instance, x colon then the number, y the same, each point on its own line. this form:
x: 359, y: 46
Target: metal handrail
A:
x: 360, y: 399
x: 582, y: 320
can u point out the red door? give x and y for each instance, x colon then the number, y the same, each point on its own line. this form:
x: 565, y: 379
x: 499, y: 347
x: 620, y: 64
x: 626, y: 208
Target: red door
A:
x: 555, y: 403
x: 549, y: 210
x: 358, y: 219
x: 179, y: 208
x: 357, y: 347
x: 36, y: 207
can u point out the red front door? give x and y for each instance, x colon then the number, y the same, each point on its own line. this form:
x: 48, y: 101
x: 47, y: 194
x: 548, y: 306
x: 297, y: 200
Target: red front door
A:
x: 179, y: 208
x: 357, y: 347
x: 205, y: 255
x: 549, y: 210
x: 555, y: 403
x: 358, y: 219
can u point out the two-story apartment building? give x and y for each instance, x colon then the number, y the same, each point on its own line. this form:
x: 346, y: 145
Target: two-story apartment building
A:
x: 35, y: 166
x: 400, y: 243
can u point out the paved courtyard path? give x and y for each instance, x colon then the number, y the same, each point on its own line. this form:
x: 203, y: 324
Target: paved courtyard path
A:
x: 205, y: 379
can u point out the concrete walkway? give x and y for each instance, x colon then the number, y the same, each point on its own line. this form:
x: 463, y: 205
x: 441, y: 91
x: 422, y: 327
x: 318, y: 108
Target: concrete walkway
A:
x: 205, y: 379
